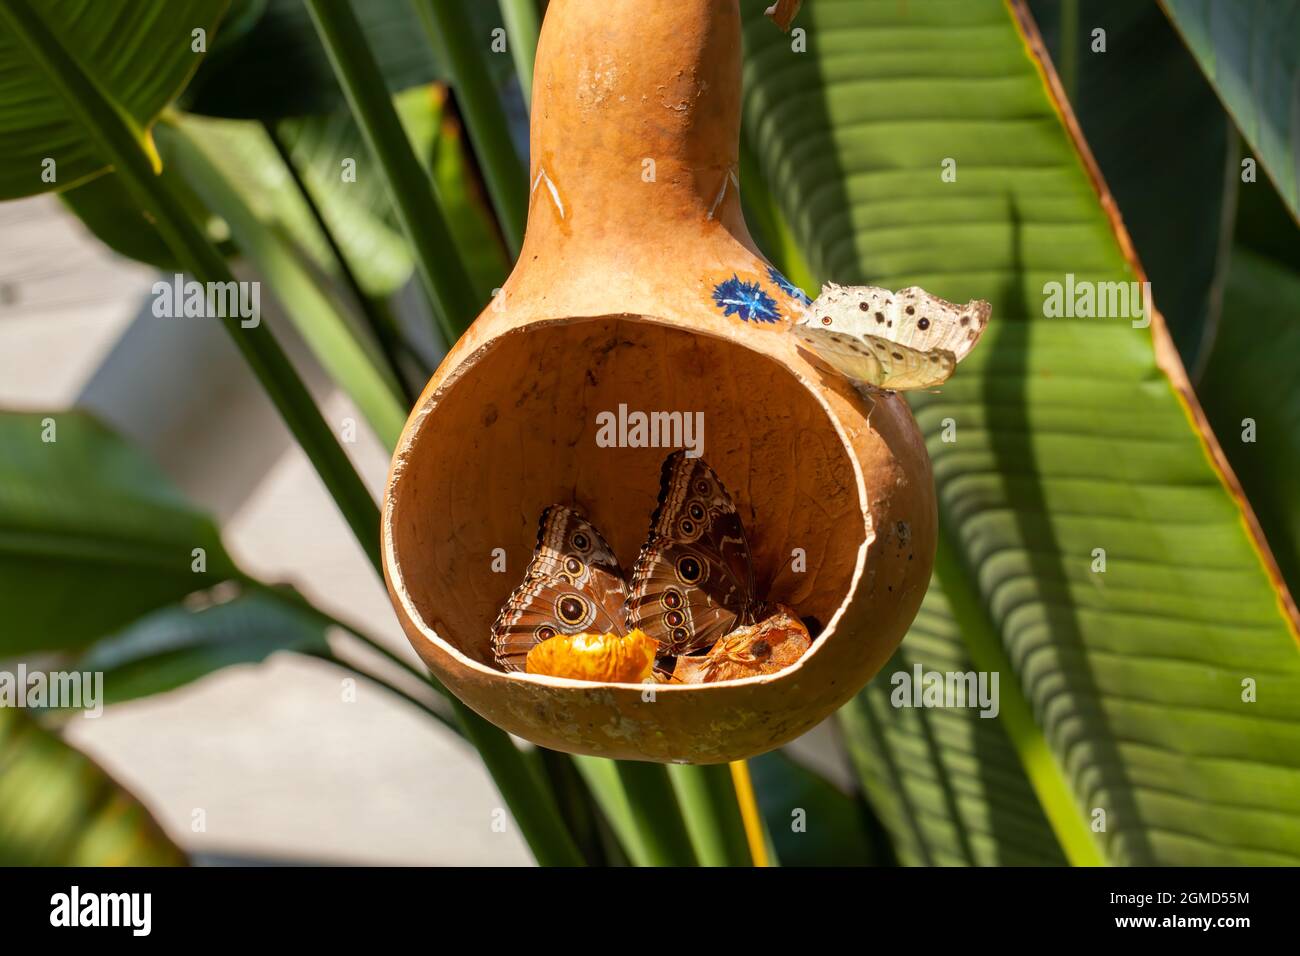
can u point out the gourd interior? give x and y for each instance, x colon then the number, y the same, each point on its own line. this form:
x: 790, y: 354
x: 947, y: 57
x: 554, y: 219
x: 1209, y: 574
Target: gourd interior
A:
x: 518, y: 431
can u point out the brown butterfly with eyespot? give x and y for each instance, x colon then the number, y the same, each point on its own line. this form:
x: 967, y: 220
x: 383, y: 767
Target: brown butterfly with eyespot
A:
x: 572, y: 585
x: 693, y: 581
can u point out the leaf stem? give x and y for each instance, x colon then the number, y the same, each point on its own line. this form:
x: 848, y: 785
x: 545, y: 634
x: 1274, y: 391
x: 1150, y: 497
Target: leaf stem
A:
x: 743, y: 784
x: 712, y: 809
x: 530, y: 800
x: 381, y: 328
x: 443, y: 275
x: 653, y: 806
x: 336, y: 342
x: 452, y: 35
x: 291, y: 596
x: 607, y: 789
x: 446, y: 720
x: 523, y: 26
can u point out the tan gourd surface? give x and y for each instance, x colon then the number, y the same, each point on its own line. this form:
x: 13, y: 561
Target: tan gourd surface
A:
x: 611, y: 303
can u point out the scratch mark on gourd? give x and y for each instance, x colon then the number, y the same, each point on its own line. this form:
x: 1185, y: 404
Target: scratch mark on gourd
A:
x: 731, y: 179
x: 550, y: 186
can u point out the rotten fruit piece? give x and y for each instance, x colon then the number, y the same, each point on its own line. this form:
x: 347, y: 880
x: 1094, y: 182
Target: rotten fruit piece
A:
x: 600, y: 657
x: 772, y: 644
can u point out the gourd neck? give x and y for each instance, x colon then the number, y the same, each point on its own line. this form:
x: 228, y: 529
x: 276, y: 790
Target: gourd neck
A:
x: 636, y: 120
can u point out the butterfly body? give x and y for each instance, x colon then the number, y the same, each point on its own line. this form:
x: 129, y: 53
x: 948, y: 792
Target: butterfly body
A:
x: 573, y: 585
x: 693, y: 581
x: 890, y: 340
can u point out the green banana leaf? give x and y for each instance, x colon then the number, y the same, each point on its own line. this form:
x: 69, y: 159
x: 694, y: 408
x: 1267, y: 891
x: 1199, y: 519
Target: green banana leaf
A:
x: 246, y: 158
x: 1125, y: 77
x: 176, y: 645
x: 359, y: 213
x: 948, y: 786
x: 97, y: 556
x: 1250, y: 373
x: 57, y: 808
x: 809, y: 820
x: 108, y: 37
x: 239, y: 175
x: 338, y: 344
x: 1264, y: 224
x: 99, y: 111
x: 1250, y: 50
x: 106, y: 209
x: 319, y: 144
x: 1121, y: 691
x: 104, y: 120
x: 274, y: 67
x: 1252, y: 395
x: 1179, y: 222
x: 91, y: 534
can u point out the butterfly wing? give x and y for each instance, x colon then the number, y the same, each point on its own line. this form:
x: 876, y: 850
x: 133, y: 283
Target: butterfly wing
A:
x: 850, y: 355
x: 573, y: 584
x: 872, y: 360
x: 926, y: 322
x: 694, y: 580
x: 904, y: 340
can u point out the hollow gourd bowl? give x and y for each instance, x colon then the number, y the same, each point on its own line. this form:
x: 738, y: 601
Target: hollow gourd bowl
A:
x: 639, y: 289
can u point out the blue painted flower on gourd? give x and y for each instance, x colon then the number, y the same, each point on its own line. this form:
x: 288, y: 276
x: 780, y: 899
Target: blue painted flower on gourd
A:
x: 788, y: 287
x: 735, y: 296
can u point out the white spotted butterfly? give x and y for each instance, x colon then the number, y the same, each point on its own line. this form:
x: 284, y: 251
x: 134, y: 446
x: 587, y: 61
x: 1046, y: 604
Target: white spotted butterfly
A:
x: 890, y: 340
